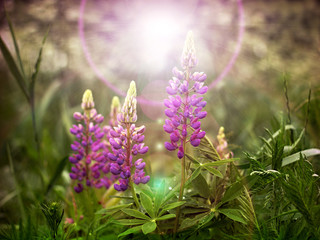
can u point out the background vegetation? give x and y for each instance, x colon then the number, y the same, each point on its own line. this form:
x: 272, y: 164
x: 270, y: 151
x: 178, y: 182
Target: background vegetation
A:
x: 281, y: 45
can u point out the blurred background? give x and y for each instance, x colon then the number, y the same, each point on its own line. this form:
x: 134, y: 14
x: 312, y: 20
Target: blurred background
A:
x: 246, y: 48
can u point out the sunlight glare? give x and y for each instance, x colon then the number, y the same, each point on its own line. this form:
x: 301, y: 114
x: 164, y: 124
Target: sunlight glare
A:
x: 159, y: 34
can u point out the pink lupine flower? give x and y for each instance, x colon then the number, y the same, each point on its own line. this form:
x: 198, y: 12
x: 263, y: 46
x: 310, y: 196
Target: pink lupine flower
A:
x: 222, y: 146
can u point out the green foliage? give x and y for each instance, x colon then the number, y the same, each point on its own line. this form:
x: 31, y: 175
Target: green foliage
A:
x: 53, y: 213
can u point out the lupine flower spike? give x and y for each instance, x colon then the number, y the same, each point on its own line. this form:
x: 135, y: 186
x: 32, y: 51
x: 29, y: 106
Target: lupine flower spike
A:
x: 222, y: 147
x: 127, y: 141
x: 184, y: 106
x: 90, y: 158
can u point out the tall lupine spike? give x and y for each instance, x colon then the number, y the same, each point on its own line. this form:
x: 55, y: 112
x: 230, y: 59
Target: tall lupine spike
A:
x: 127, y: 141
x: 184, y: 106
x: 89, y: 159
x: 184, y: 109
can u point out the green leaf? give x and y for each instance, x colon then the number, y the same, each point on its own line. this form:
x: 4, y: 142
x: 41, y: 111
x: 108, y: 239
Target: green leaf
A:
x: 296, y: 157
x: 13, y: 68
x: 200, y: 184
x: 113, y: 208
x: 146, y: 190
x: 159, y: 196
x: 290, y: 149
x: 165, y: 217
x: 235, y: 190
x: 220, y: 162
x: 234, y: 214
x: 149, y: 227
x: 193, y: 175
x: 206, y: 219
x: 57, y: 174
x: 214, y: 171
x: 171, y: 206
x: 135, y: 213
x: 129, y: 222
x: 147, y: 204
x: 189, y: 222
x: 192, y: 159
x: 129, y: 231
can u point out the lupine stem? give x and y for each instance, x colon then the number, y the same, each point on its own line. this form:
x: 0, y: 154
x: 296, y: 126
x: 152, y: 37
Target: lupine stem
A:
x: 183, y: 170
x: 87, y: 146
x: 134, y: 195
x: 128, y: 163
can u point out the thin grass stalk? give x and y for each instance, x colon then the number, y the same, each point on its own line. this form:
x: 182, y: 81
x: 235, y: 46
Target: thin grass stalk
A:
x: 20, y: 202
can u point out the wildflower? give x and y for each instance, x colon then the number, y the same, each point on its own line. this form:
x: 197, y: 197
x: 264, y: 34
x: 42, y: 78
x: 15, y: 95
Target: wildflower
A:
x: 126, y: 141
x: 185, y: 104
x: 222, y: 147
x: 90, y: 158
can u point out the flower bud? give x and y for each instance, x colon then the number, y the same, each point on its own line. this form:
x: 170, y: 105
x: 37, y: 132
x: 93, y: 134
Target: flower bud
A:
x: 87, y: 100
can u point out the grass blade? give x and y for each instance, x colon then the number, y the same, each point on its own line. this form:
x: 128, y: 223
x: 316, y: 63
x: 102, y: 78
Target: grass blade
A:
x: 13, y: 68
x: 16, y: 47
x: 57, y: 174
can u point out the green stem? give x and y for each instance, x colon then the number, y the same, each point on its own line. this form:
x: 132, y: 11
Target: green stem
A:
x: 183, y: 170
x: 128, y: 125
x: 34, y: 125
x: 134, y: 195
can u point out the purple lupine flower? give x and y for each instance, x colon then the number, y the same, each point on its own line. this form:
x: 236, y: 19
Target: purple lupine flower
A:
x: 185, y: 104
x: 90, y: 157
x: 126, y: 141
